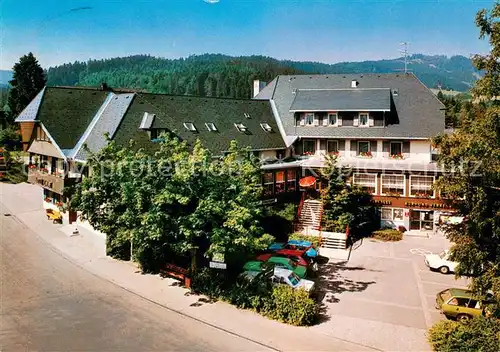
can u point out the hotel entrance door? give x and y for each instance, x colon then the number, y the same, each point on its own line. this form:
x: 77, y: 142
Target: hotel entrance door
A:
x: 421, y: 220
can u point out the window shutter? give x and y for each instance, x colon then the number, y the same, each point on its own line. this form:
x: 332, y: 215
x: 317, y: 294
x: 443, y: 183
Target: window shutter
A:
x: 406, y: 147
x: 356, y: 121
x: 322, y: 145
x: 373, y: 146
x: 316, y: 119
x: 325, y: 120
x: 354, y: 145
x: 302, y: 119
x: 341, y: 145
x: 370, y: 121
x: 339, y: 120
x: 386, y: 146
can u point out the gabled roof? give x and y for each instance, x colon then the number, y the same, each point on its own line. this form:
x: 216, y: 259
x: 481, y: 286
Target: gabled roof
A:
x: 67, y: 112
x: 419, y: 113
x: 342, y: 100
x: 172, y: 112
x: 30, y: 112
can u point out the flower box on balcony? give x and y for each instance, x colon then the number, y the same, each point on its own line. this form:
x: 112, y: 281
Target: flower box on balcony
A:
x: 44, y: 170
x: 333, y: 153
x: 48, y: 200
x: 367, y: 154
x: 308, y: 153
x: 397, y: 156
x: 32, y: 166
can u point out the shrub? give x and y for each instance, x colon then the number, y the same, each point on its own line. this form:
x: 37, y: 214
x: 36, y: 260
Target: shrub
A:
x: 291, y: 306
x: 388, y: 235
x: 298, y: 236
x: 281, y: 302
x: 480, y: 334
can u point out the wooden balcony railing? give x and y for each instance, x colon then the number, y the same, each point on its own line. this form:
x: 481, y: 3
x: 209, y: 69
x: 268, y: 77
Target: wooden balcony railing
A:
x: 46, y: 180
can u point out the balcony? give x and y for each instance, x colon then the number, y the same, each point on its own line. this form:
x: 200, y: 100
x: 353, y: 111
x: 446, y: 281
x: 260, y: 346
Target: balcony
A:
x: 46, y: 180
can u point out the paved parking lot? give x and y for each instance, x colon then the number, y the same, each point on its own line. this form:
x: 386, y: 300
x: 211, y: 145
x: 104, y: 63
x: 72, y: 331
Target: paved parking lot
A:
x: 384, y: 295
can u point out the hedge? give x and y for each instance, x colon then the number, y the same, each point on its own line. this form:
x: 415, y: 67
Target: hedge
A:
x: 479, y: 334
x: 299, y: 236
x: 388, y: 235
x: 281, y: 302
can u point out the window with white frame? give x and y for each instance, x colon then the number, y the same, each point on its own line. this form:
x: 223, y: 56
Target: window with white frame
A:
x: 309, y: 118
x: 393, y: 185
x: 421, y: 186
x: 332, y: 119
x: 309, y: 146
x: 332, y: 147
x: 291, y: 180
x: 363, y: 147
x: 268, y: 183
x: 363, y: 119
x: 367, y: 182
x: 396, y: 148
x: 392, y: 214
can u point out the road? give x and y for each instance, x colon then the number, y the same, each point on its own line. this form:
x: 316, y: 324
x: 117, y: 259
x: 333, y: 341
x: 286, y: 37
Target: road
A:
x: 49, y: 303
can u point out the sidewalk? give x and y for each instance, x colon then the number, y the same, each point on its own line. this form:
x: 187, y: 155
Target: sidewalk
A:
x: 87, y: 250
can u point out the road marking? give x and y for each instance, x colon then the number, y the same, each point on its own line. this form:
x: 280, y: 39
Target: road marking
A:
x: 421, y: 293
x: 397, y: 305
x: 420, y: 251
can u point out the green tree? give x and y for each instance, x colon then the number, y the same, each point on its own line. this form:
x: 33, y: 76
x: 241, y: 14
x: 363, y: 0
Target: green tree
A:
x: 345, y: 205
x: 177, y: 202
x: 28, y: 79
x: 472, y: 156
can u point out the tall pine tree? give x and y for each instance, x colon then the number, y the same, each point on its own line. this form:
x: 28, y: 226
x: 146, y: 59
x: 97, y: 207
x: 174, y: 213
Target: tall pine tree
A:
x: 28, y: 79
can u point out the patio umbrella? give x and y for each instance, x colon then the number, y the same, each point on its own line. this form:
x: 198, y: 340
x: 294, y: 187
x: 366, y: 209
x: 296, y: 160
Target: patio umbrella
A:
x: 307, y: 181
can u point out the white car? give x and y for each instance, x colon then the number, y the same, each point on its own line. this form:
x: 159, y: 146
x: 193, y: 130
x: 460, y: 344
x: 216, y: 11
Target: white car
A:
x: 288, y: 277
x: 440, y: 262
x: 282, y: 276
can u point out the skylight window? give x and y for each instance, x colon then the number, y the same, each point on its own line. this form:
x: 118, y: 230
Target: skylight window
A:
x: 240, y: 127
x: 211, y: 126
x: 190, y: 126
x: 266, y: 127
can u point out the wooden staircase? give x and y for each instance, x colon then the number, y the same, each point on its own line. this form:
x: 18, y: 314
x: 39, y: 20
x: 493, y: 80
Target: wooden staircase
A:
x: 310, y: 215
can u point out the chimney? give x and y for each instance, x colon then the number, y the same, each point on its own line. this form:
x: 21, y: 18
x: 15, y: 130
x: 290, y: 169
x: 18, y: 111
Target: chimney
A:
x: 258, y: 86
x: 354, y: 83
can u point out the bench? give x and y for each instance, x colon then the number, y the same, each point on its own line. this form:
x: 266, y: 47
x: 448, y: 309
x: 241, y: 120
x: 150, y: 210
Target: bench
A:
x: 53, y: 215
x: 177, y: 272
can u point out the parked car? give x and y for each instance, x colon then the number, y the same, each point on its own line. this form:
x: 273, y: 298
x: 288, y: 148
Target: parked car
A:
x: 440, y: 262
x: 281, y: 276
x: 461, y: 304
x: 295, y: 258
x: 276, y: 262
x: 295, y: 247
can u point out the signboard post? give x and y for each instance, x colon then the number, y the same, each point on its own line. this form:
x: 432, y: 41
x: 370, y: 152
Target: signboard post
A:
x: 218, y: 261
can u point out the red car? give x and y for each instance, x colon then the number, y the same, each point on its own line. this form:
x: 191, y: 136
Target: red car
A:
x: 297, y: 259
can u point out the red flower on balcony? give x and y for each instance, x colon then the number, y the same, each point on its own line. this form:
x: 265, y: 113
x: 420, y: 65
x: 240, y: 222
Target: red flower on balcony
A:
x: 397, y: 156
x: 48, y: 200
x: 308, y: 153
x: 44, y: 170
x: 334, y: 153
x: 32, y: 166
x: 367, y: 154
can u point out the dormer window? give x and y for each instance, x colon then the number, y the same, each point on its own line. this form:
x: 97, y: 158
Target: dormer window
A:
x: 247, y: 115
x: 240, y: 127
x: 266, y: 127
x: 211, y: 126
x: 190, y: 126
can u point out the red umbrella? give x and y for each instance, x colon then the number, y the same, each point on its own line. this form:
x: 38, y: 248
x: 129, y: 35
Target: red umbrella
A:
x: 307, y: 181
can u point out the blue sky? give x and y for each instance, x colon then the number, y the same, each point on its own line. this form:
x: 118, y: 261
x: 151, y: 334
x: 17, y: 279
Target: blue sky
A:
x: 316, y: 30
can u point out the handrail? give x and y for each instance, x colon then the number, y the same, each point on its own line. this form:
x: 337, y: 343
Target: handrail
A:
x: 299, y: 212
x: 320, y: 226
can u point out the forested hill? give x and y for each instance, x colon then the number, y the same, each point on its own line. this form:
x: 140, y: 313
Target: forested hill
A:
x: 226, y: 76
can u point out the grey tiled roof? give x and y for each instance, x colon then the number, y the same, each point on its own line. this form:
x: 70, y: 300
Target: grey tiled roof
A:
x: 173, y: 111
x: 30, y: 112
x: 342, y: 100
x: 417, y: 111
x: 107, y: 122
